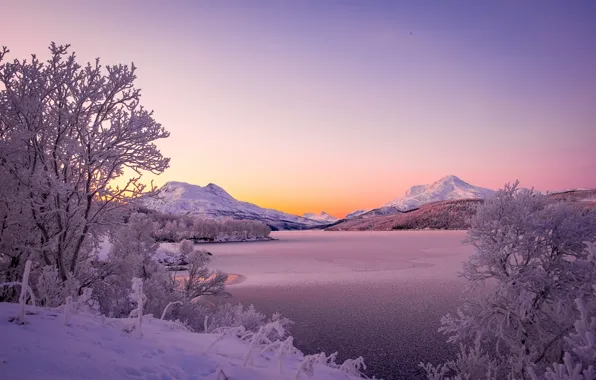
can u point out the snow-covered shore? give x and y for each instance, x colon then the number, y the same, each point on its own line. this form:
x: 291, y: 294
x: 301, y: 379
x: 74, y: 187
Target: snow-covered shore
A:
x: 95, y: 347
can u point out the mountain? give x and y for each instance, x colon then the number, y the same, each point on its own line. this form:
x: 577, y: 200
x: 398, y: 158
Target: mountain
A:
x: 447, y: 188
x: 449, y: 214
x: 213, y: 202
x: 323, y: 217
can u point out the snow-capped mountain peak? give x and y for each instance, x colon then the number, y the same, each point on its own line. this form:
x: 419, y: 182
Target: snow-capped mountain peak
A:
x: 322, y: 217
x: 447, y: 188
x: 218, y: 191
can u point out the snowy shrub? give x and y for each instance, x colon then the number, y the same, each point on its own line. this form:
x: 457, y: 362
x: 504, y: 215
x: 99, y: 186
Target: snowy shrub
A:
x: 532, y: 261
x: 49, y: 286
x: 186, y: 247
x: 307, y: 365
x: 84, y: 303
x: 250, y: 318
x: 25, y: 290
x: 353, y: 366
x: 280, y: 349
x: 51, y: 290
x: 133, y: 255
x: 260, y: 338
x: 228, y: 315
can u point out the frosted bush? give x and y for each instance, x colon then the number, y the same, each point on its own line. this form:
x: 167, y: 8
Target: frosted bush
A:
x: 50, y: 288
x: 250, y: 318
x: 186, y: 247
x: 228, y: 315
x: 281, y: 348
x: 261, y: 338
x: 535, y: 259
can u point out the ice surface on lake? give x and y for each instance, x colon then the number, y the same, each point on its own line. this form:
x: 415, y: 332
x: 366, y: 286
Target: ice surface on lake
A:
x: 303, y: 257
x: 376, y: 294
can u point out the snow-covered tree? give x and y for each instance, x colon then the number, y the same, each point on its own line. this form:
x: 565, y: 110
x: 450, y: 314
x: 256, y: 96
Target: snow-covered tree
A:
x: 132, y: 255
x: 532, y: 262
x: 67, y: 131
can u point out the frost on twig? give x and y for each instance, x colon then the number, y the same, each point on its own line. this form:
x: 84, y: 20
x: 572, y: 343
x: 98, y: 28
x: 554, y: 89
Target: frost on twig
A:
x: 353, y: 366
x: 262, y: 337
x: 25, y: 289
x: 138, y: 297
x: 220, y: 375
x: 165, y: 310
x: 307, y: 365
x: 66, y: 310
x: 226, y: 332
x: 281, y: 348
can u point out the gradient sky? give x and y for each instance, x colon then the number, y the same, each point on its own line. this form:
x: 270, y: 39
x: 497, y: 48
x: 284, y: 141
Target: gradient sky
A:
x: 340, y: 105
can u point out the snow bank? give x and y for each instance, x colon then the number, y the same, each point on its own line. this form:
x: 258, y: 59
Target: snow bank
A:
x: 94, y: 347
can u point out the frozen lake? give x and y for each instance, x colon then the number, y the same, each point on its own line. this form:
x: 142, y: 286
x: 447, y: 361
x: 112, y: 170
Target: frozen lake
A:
x: 375, y: 294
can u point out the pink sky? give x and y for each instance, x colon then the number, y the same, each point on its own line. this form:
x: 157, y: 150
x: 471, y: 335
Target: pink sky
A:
x: 308, y: 107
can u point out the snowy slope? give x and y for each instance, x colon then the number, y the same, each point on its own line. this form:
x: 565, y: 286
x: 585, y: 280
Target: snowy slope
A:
x: 213, y: 202
x: 323, y: 217
x: 356, y: 213
x: 447, y: 188
x: 93, y: 347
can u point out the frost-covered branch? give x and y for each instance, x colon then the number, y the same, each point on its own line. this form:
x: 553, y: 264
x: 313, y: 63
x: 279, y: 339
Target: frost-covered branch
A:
x: 165, y: 310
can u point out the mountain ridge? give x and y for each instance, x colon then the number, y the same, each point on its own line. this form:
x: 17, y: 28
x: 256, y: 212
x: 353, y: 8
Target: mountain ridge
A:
x: 213, y: 202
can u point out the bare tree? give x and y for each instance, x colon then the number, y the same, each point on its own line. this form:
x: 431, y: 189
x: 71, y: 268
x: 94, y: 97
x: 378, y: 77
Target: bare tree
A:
x: 201, y: 280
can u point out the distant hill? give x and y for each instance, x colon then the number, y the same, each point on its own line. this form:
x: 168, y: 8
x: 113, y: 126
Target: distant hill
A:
x: 213, y: 202
x: 452, y: 214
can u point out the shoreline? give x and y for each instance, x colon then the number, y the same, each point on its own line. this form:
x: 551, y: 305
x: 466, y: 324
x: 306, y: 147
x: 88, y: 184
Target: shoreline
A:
x: 235, y: 279
x: 221, y: 242
x: 237, y: 241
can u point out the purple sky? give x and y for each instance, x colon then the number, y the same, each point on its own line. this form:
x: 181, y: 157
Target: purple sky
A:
x: 311, y: 105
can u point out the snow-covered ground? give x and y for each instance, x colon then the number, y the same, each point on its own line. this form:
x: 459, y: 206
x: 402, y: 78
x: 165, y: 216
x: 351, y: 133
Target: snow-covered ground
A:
x: 94, y: 347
